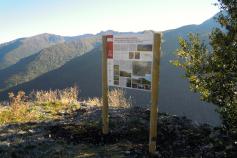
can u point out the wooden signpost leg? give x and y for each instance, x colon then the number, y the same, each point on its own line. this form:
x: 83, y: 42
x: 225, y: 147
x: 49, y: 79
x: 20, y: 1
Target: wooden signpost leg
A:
x: 105, y: 117
x: 154, y: 92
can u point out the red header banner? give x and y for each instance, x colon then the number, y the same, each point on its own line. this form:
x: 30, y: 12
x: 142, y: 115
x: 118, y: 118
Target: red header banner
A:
x: 109, y: 46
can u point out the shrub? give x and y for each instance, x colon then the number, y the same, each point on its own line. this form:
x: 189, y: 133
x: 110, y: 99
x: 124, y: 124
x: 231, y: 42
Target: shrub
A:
x: 65, y: 96
x: 213, y: 72
x: 19, y: 110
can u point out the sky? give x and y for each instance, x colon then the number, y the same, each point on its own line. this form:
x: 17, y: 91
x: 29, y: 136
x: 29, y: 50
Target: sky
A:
x: 24, y: 18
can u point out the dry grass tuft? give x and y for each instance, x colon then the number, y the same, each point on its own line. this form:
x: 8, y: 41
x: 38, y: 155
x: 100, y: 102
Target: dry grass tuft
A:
x: 116, y: 99
x: 65, y: 96
x: 41, y: 105
x: 53, y: 104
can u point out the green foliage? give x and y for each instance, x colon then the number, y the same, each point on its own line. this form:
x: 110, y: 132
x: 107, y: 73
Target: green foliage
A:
x: 214, y: 73
x: 194, y: 60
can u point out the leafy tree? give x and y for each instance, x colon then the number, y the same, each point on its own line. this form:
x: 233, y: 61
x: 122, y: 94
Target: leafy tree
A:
x: 213, y: 72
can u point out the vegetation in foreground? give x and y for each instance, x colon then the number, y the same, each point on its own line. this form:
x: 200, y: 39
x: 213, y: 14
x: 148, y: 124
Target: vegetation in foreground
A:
x: 39, y: 106
x: 48, y: 105
x: 56, y: 124
x: 213, y: 73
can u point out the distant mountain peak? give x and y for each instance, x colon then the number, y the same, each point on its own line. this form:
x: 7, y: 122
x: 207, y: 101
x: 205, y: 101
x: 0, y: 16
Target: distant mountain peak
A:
x: 107, y: 32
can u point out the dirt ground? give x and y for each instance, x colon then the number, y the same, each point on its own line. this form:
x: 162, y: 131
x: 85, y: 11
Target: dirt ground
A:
x: 79, y: 135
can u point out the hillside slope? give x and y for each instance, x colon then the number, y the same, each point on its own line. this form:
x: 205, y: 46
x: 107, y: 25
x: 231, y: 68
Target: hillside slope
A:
x: 12, y: 52
x: 50, y: 58
x: 44, y: 61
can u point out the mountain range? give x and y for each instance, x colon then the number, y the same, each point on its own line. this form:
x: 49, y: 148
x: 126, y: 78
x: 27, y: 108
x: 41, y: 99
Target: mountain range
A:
x: 45, y: 60
x: 12, y: 52
x: 49, y: 61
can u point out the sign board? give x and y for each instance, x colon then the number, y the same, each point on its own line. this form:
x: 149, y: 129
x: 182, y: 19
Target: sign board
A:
x: 132, y: 61
x: 129, y: 60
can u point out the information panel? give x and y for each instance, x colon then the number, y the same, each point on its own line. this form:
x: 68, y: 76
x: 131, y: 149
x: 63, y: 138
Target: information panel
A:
x: 129, y: 59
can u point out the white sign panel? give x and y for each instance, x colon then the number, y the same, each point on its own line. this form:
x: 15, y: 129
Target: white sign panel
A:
x: 129, y: 59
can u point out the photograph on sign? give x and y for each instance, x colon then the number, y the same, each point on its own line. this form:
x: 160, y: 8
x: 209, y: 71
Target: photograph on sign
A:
x: 130, y: 60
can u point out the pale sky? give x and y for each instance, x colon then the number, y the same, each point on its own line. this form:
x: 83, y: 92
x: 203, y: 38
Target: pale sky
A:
x: 23, y: 18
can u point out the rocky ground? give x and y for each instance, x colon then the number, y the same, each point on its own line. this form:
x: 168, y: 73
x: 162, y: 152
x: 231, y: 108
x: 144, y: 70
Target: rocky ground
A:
x: 79, y: 135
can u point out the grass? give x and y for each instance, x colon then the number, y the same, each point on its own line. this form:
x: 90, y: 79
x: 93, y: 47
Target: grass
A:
x: 52, y: 104
x: 19, y: 110
x: 40, y: 105
x: 117, y: 99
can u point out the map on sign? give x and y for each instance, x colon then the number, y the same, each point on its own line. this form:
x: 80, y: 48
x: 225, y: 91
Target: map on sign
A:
x: 129, y: 59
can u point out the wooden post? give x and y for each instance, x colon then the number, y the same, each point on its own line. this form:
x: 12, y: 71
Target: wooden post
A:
x: 154, y: 92
x: 105, y: 118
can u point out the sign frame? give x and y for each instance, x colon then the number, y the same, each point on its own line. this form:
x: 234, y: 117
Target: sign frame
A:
x: 154, y: 89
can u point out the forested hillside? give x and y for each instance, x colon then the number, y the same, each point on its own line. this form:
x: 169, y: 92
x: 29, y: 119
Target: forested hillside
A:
x: 45, y: 60
x: 12, y: 52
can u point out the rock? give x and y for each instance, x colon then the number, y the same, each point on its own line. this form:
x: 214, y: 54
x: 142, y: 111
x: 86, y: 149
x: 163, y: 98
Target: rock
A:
x: 4, y: 143
x: 157, y: 154
x: 22, y: 132
x: 31, y: 131
x: 208, y: 147
x: 220, y: 154
x: 229, y: 147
